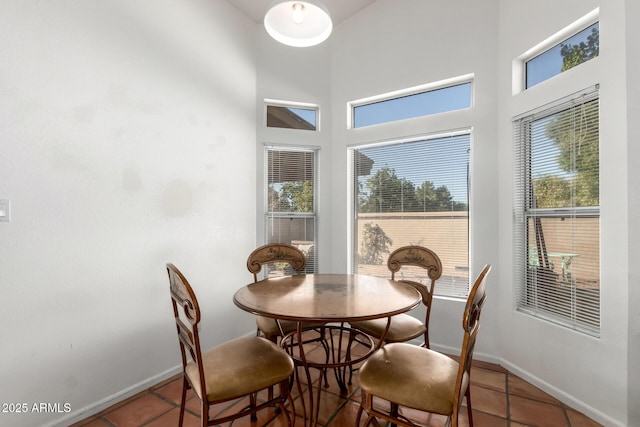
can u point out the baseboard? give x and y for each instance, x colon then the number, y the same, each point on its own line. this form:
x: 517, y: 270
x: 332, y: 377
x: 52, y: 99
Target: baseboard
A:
x: 94, y: 408
x: 562, y: 396
x: 453, y: 351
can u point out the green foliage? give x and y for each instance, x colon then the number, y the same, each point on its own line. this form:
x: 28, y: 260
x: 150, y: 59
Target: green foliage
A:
x: 276, y: 202
x: 576, y: 134
x: 432, y: 199
x: 375, y: 243
x: 552, y: 192
x: 293, y: 196
x: 299, y: 194
x: 575, y: 54
x: 386, y: 192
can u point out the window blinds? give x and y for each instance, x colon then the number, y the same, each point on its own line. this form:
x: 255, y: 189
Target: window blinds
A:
x: 290, y: 199
x: 556, y: 213
x: 413, y: 193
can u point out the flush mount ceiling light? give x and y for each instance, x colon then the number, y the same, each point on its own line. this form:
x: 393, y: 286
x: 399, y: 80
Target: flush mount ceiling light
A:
x: 298, y: 23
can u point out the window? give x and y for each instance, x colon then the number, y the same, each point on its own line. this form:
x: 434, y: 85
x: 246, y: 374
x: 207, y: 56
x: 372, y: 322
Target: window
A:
x: 290, y: 200
x: 565, y: 55
x: 413, y: 192
x: 557, y: 213
x: 412, y: 103
x: 292, y: 116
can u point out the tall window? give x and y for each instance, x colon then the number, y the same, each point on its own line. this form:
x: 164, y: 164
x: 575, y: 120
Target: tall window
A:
x: 290, y: 199
x: 557, y: 212
x: 413, y: 192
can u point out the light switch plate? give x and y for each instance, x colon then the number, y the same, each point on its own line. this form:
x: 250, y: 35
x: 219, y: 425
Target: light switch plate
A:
x: 5, y: 210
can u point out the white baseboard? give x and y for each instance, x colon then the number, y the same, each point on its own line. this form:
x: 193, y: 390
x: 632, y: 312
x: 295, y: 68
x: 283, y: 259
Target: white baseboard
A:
x: 94, y: 408
x: 562, y: 396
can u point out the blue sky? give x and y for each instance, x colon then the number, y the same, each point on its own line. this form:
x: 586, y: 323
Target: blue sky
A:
x: 450, y: 98
x: 549, y: 63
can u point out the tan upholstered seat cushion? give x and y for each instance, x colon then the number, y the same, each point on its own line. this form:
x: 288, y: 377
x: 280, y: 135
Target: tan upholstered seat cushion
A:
x: 240, y: 367
x: 404, y: 327
x: 412, y: 376
x: 269, y: 327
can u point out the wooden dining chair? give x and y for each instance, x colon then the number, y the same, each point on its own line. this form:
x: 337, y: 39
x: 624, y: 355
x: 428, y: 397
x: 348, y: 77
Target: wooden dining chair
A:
x: 410, y: 376
x: 404, y: 327
x: 292, y: 260
x: 238, y: 368
x: 286, y: 257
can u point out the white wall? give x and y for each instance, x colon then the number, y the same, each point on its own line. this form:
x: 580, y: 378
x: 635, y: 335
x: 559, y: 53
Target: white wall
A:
x: 633, y: 135
x: 117, y: 123
x: 293, y: 74
x: 124, y: 128
x: 386, y: 48
x: 588, y: 373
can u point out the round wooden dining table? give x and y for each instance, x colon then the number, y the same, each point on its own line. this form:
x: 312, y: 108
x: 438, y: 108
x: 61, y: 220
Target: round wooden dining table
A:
x: 331, y: 300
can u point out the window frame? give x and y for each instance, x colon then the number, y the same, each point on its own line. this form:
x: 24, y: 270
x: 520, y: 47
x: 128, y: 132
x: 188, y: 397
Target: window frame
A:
x: 295, y: 105
x: 409, y: 92
x: 270, y: 215
x: 524, y: 210
x: 353, y: 201
x: 519, y: 77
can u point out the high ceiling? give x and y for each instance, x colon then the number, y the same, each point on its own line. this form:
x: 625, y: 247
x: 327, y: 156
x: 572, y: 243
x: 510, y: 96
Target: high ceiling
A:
x: 339, y: 10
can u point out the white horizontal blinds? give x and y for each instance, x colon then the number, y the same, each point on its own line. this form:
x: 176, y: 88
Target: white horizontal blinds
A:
x: 290, y: 200
x: 557, y: 239
x: 290, y: 179
x: 413, y: 193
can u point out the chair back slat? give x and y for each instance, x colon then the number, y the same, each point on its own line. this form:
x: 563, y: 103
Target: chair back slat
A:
x: 418, y: 256
x: 185, y: 303
x: 276, y: 253
x: 424, y: 259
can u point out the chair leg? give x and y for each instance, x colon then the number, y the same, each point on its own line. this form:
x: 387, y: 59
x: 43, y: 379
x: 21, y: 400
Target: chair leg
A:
x: 394, y: 412
x: 204, y: 413
x: 273, y: 339
x: 323, y: 341
x: 183, y: 400
x: 285, y: 390
x: 361, y: 408
x: 469, y: 410
x: 252, y: 404
x: 359, y: 415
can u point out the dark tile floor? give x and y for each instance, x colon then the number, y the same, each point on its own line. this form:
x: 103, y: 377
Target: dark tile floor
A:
x: 500, y: 399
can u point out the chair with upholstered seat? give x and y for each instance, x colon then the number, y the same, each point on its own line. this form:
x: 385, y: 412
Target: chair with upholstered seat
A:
x: 293, y: 261
x: 286, y: 257
x: 414, y: 377
x: 235, y: 369
x: 405, y: 327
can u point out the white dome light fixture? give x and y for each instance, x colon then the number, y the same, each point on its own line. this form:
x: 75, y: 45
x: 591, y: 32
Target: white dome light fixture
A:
x: 298, y: 23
